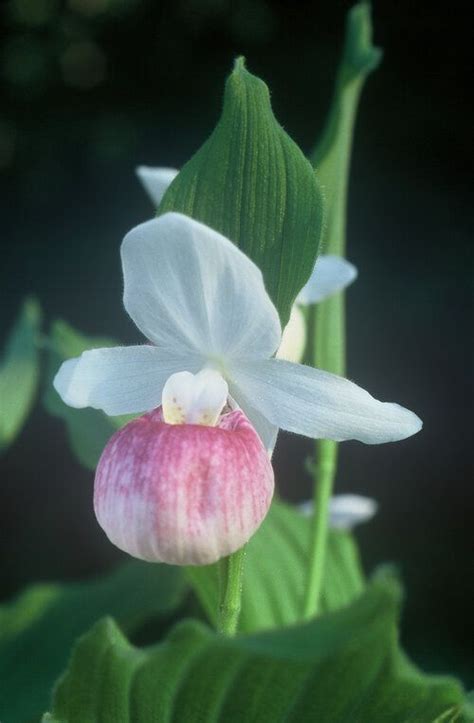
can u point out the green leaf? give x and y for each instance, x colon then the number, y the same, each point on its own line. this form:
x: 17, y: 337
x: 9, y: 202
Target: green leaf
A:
x: 38, y: 629
x: 275, y: 573
x: 89, y: 430
x: 19, y: 372
x: 251, y: 182
x: 331, y: 157
x: 343, y: 667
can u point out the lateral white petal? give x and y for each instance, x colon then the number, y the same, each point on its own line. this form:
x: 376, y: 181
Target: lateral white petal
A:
x: 267, y: 431
x: 119, y: 380
x: 155, y: 181
x: 189, y: 289
x: 330, y: 275
x: 320, y: 405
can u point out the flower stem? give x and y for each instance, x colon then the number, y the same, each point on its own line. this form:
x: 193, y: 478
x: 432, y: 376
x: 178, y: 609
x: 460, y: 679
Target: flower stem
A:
x: 324, y: 474
x: 331, y: 158
x: 231, y: 570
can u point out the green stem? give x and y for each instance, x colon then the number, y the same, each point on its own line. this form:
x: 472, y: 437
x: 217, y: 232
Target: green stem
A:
x: 325, y: 472
x: 331, y: 158
x: 231, y: 570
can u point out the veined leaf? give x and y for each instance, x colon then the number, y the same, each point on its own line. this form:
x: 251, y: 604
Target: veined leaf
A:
x: 251, y: 182
x: 38, y: 629
x: 89, y: 429
x: 19, y: 372
x: 275, y: 572
x: 342, y: 667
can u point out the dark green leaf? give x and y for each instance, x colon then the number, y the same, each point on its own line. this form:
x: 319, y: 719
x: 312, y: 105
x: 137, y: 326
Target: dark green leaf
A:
x: 251, y: 182
x: 19, y: 372
x: 38, y: 629
x: 275, y: 572
x: 89, y: 429
x: 339, y: 668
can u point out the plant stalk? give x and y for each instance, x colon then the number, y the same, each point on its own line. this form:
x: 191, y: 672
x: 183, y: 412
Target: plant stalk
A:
x: 331, y: 158
x: 231, y: 570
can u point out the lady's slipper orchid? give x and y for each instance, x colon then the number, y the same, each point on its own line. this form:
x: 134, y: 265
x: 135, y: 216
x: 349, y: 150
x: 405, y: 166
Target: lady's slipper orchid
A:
x: 185, y: 484
x: 330, y: 274
x: 203, y: 304
x: 345, y: 511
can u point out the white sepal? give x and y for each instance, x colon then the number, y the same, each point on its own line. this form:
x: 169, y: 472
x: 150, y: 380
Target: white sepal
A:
x: 189, y: 289
x: 156, y: 181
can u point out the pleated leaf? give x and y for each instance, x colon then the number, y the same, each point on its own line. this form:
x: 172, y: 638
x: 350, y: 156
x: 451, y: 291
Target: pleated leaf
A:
x: 251, y: 182
x: 38, y: 629
x: 275, y: 572
x: 343, y: 667
x: 19, y: 372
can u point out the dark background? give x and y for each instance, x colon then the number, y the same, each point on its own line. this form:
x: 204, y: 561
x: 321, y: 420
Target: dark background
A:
x: 90, y: 89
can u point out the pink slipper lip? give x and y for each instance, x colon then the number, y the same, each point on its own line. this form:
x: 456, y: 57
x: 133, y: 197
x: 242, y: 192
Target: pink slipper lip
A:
x: 183, y: 494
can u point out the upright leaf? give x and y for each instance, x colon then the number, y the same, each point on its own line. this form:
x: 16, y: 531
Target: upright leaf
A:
x: 251, y: 182
x: 345, y: 666
x: 275, y: 569
x: 19, y: 372
x: 38, y: 629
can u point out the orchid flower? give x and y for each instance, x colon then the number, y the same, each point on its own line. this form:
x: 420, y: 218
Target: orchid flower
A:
x: 345, y: 511
x: 330, y: 274
x: 203, y: 304
x: 190, y: 481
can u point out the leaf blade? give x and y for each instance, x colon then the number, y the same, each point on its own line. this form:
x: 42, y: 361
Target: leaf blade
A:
x: 19, y: 372
x: 251, y: 182
x: 343, y: 666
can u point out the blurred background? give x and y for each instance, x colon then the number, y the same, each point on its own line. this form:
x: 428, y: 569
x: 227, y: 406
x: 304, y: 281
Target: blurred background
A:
x: 92, y: 88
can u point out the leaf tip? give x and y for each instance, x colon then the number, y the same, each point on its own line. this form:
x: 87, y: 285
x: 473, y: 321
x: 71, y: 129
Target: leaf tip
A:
x: 360, y: 54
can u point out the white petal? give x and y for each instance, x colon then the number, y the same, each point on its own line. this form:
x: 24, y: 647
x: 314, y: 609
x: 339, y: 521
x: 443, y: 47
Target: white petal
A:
x: 119, y: 380
x: 267, y: 431
x: 188, y: 288
x: 330, y: 275
x: 293, y: 340
x: 194, y: 398
x: 320, y: 405
x: 345, y: 511
x: 155, y: 181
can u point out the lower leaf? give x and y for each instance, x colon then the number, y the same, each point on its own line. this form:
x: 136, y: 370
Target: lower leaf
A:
x: 344, y: 666
x: 275, y: 572
x: 38, y: 629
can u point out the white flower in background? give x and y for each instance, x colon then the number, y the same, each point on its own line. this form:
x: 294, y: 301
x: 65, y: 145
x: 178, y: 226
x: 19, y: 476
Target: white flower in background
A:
x: 203, y: 304
x: 330, y: 275
x: 345, y: 511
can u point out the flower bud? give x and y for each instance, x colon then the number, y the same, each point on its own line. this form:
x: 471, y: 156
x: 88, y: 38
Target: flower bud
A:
x: 185, y: 494
x: 293, y: 340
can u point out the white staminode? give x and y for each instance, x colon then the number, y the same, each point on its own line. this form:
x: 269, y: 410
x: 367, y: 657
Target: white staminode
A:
x: 345, y: 511
x: 194, y: 398
x: 202, y: 303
